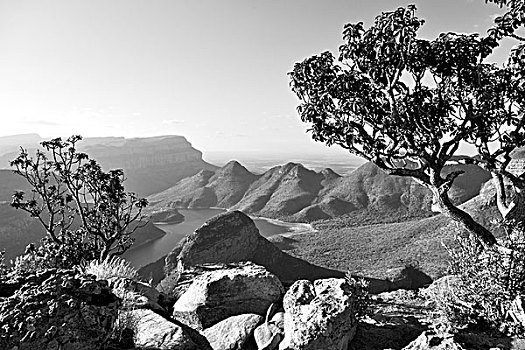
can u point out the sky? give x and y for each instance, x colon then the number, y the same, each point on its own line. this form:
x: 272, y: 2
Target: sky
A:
x: 214, y: 71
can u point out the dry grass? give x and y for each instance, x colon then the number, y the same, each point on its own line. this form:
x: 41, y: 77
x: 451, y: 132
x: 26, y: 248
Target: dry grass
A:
x: 111, y: 267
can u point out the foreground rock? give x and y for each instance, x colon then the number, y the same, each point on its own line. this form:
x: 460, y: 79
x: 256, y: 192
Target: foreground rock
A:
x: 152, y: 331
x: 319, y: 315
x: 227, y: 290
x: 58, y: 310
x: 139, y: 295
x: 431, y: 340
x: 233, y: 237
x: 233, y: 333
x: 271, y: 332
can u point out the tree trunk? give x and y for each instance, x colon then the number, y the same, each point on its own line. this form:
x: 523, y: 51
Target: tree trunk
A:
x: 485, y: 237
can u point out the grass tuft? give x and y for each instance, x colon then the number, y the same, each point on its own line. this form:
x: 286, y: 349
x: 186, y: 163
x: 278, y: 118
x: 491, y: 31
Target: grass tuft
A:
x: 111, y: 267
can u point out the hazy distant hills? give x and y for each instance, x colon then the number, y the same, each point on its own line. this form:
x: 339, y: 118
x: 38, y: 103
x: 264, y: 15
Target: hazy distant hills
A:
x: 379, y: 249
x: 296, y: 193
x: 18, y: 229
x: 9, y: 183
x: 151, y: 164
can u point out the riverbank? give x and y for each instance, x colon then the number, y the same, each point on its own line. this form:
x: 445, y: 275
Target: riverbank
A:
x: 274, y: 227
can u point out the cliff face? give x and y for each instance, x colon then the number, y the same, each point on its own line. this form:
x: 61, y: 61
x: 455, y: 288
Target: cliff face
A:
x: 151, y: 164
x: 142, y: 153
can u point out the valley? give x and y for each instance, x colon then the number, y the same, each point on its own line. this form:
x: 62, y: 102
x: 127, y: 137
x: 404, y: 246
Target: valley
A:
x: 301, y: 223
x: 354, y: 215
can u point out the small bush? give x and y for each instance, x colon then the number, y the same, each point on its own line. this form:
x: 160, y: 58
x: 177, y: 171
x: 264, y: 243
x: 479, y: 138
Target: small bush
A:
x: 487, y: 282
x: 359, y: 288
x: 111, y: 267
x: 75, y: 251
x: 3, y: 267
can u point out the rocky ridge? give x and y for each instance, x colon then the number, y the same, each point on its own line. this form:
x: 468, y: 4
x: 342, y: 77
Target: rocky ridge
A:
x: 151, y: 164
x: 294, y: 193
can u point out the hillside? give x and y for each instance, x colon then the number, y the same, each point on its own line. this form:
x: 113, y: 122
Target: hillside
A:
x: 12, y: 143
x: 380, y: 250
x: 223, y: 188
x: 9, y: 183
x: 151, y: 164
x: 293, y: 192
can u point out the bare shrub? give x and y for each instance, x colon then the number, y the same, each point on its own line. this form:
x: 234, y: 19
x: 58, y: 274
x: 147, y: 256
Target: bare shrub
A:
x: 487, y: 282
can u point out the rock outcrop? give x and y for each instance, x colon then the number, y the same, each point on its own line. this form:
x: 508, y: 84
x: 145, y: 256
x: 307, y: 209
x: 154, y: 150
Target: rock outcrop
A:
x: 151, y: 164
x: 271, y: 332
x: 166, y: 216
x: 58, y: 310
x: 319, y: 315
x: 233, y: 333
x: 139, y: 295
x: 152, y: 331
x: 233, y: 237
x: 227, y: 290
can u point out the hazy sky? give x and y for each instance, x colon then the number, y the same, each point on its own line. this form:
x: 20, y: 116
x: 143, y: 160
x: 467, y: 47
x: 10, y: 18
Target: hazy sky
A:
x: 211, y: 70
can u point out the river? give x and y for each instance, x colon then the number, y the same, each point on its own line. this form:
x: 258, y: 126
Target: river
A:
x: 193, y: 219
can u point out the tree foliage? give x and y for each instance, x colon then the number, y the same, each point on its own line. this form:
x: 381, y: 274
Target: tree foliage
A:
x: 407, y: 104
x: 507, y: 24
x: 76, y: 201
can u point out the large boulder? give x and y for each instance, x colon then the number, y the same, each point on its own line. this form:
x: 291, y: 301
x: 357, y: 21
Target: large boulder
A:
x: 227, y: 290
x: 233, y: 333
x: 233, y: 237
x: 271, y: 332
x: 226, y: 238
x: 58, y: 310
x: 319, y: 315
x: 139, y: 295
x: 152, y: 331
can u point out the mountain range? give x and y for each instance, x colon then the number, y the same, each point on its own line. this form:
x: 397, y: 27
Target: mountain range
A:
x: 151, y: 164
x: 293, y: 192
x: 173, y: 174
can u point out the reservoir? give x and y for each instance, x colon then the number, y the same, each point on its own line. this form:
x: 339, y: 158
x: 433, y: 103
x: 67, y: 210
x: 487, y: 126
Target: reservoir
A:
x: 193, y: 219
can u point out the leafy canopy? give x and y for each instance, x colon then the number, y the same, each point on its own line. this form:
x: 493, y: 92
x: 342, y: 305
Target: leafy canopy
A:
x: 407, y: 103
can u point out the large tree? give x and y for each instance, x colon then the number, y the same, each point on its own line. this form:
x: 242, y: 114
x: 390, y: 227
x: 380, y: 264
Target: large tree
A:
x: 407, y: 104
x: 74, y: 199
x: 507, y: 24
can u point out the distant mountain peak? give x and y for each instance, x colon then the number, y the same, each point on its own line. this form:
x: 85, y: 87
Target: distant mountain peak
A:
x: 21, y: 136
x: 329, y: 173
x: 234, y: 167
x: 291, y: 165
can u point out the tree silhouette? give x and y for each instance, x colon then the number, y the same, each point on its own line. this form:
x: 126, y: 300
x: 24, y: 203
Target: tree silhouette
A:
x: 73, y: 197
x: 407, y: 104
